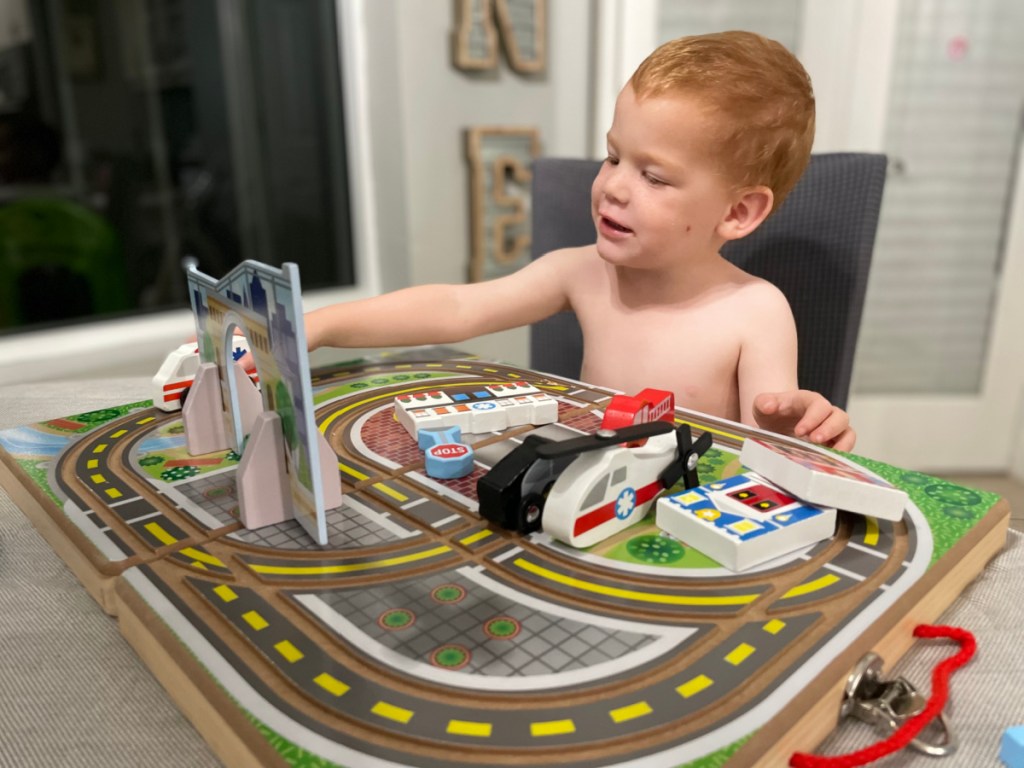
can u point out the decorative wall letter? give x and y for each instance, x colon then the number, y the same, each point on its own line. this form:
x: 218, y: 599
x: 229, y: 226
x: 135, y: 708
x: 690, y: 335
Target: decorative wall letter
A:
x: 500, y: 161
x: 520, y: 24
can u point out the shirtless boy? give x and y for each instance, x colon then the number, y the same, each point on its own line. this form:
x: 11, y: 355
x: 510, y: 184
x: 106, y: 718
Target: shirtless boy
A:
x: 709, y: 136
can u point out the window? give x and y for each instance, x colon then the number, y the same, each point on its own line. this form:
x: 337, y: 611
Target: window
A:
x: 136, y: 132
x: 596, y: 494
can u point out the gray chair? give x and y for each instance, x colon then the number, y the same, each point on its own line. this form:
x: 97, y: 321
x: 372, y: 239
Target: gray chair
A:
x: 816, y: 248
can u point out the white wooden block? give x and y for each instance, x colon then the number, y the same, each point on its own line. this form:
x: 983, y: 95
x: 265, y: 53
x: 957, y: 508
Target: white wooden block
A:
x: 743, y: 521
x: 545, y: 409
x: 824, y: 478
x: 512, y: 389
x: 413, y: 400
x: 487, y: 416
x: 518, y: 410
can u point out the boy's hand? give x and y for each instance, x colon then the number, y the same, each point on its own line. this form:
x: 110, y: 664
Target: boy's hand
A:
x: 807, y: 415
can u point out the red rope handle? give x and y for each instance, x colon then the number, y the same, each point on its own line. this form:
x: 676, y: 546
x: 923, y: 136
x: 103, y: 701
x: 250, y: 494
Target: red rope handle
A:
x: 912, y: 727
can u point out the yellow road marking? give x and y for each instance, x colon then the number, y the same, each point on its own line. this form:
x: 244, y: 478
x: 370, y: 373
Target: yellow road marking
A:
x: 812, y: 586
x: 712, y: 430
x: 390, y: 492
x: 289, y: 651
x: 202, y: 557
x: 98, y: 478
x: 632, y: 594
x: 391, y: 712
x: 472, y: 539
x: 491, y: 370
x: 465, y: 367
x: 552, y: 727
x: 331, y: 684
x: 92, y: 463
x: 631, y: 712
x: 871, y: 536
x: 352, y: 471
x: 196, y: 564
x: 225, y: 593
x: 313, y: 570
x: 774, y: 626
x: 739, y: 654
x: 119, y: 433
x: 158, y: 533
x: 100, y: 448
x: 469, y: 728
x: 694, y: 686
x: 254, y: 620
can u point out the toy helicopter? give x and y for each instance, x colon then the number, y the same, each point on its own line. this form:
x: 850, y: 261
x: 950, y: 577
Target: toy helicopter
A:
x: 585, y: 489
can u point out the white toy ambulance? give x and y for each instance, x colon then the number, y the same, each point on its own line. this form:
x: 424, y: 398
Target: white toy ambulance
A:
x: 171, y: 383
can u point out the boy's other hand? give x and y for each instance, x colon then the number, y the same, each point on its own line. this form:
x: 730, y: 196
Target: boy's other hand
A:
x: 807, y: 415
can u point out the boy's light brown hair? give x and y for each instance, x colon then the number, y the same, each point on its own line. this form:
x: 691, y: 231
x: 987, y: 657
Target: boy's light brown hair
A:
x: 759, y: 93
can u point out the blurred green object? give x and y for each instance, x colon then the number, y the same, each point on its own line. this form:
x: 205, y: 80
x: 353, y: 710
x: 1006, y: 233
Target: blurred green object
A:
x: 58, y: 261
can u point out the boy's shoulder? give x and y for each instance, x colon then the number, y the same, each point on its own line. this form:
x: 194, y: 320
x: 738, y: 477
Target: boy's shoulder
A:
x: 743, y: 296
x: 571, y: 263
x: 752, y: 287
x: 580, y: 255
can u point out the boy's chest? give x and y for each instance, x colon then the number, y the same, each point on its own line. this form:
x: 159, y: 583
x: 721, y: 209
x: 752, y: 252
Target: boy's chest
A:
x: 694, y: 354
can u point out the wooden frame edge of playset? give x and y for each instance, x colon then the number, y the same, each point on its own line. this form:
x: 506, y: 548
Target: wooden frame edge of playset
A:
x: 72, y: 547
x: 211, y: 711
x: 891, y: 637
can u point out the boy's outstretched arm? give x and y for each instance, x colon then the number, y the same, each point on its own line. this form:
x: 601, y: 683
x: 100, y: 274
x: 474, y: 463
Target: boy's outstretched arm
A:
x: 442, y: 314
x: 766, y: 373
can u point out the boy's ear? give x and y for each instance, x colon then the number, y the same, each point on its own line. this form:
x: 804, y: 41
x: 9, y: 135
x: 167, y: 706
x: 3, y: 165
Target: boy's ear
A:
x: 746, y: 213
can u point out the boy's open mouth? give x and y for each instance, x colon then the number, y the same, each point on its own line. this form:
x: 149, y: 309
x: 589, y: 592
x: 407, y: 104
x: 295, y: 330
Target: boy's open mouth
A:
x: 614, y: 225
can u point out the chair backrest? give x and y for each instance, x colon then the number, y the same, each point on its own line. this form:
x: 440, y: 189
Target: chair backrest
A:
x: 816, y: 248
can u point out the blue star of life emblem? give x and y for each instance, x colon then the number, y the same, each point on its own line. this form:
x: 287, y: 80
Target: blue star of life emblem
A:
x: 625, y: 504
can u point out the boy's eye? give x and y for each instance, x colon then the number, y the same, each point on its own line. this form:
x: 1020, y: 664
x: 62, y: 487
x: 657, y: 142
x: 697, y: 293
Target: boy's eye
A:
x: 611, y: 160
x: 653, y: 180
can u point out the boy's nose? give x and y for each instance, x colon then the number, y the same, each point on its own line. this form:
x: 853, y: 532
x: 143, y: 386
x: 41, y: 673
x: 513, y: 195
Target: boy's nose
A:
x: 615, y: 187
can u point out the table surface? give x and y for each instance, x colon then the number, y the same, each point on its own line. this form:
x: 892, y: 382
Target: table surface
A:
x: 76, y: 694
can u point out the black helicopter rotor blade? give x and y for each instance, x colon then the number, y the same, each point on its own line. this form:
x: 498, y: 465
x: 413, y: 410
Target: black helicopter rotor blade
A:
x: 603, y: 438
x: 685, y: 465
x: 691, y: 479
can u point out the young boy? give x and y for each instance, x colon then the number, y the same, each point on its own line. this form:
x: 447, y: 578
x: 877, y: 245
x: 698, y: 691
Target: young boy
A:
x: 709, y: 136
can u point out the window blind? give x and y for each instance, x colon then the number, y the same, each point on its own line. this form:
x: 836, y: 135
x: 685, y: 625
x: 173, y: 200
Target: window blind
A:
x: 953, y: 133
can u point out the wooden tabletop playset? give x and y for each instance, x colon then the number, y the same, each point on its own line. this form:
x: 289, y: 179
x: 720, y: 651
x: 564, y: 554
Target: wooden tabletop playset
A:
x: 427, y: 559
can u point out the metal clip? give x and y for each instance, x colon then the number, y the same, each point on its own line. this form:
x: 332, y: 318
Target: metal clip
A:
x: 887, y: 704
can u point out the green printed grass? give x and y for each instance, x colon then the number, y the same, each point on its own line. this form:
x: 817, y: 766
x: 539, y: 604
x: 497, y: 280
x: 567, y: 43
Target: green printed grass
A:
x: 183, y: 465
x: 291, y: 753
x: 719, y: 758
x: 298, y: 757
x: 951, y: 510
x: 37, y: 470
x: 648, y: 545
x: 155, y: 463
x: 377, y: 380
x: 92, y: 419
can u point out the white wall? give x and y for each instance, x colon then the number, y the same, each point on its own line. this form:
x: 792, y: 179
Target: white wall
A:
x: 414, y: 106
x: 1017, y: 458
x: 437, y: 102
